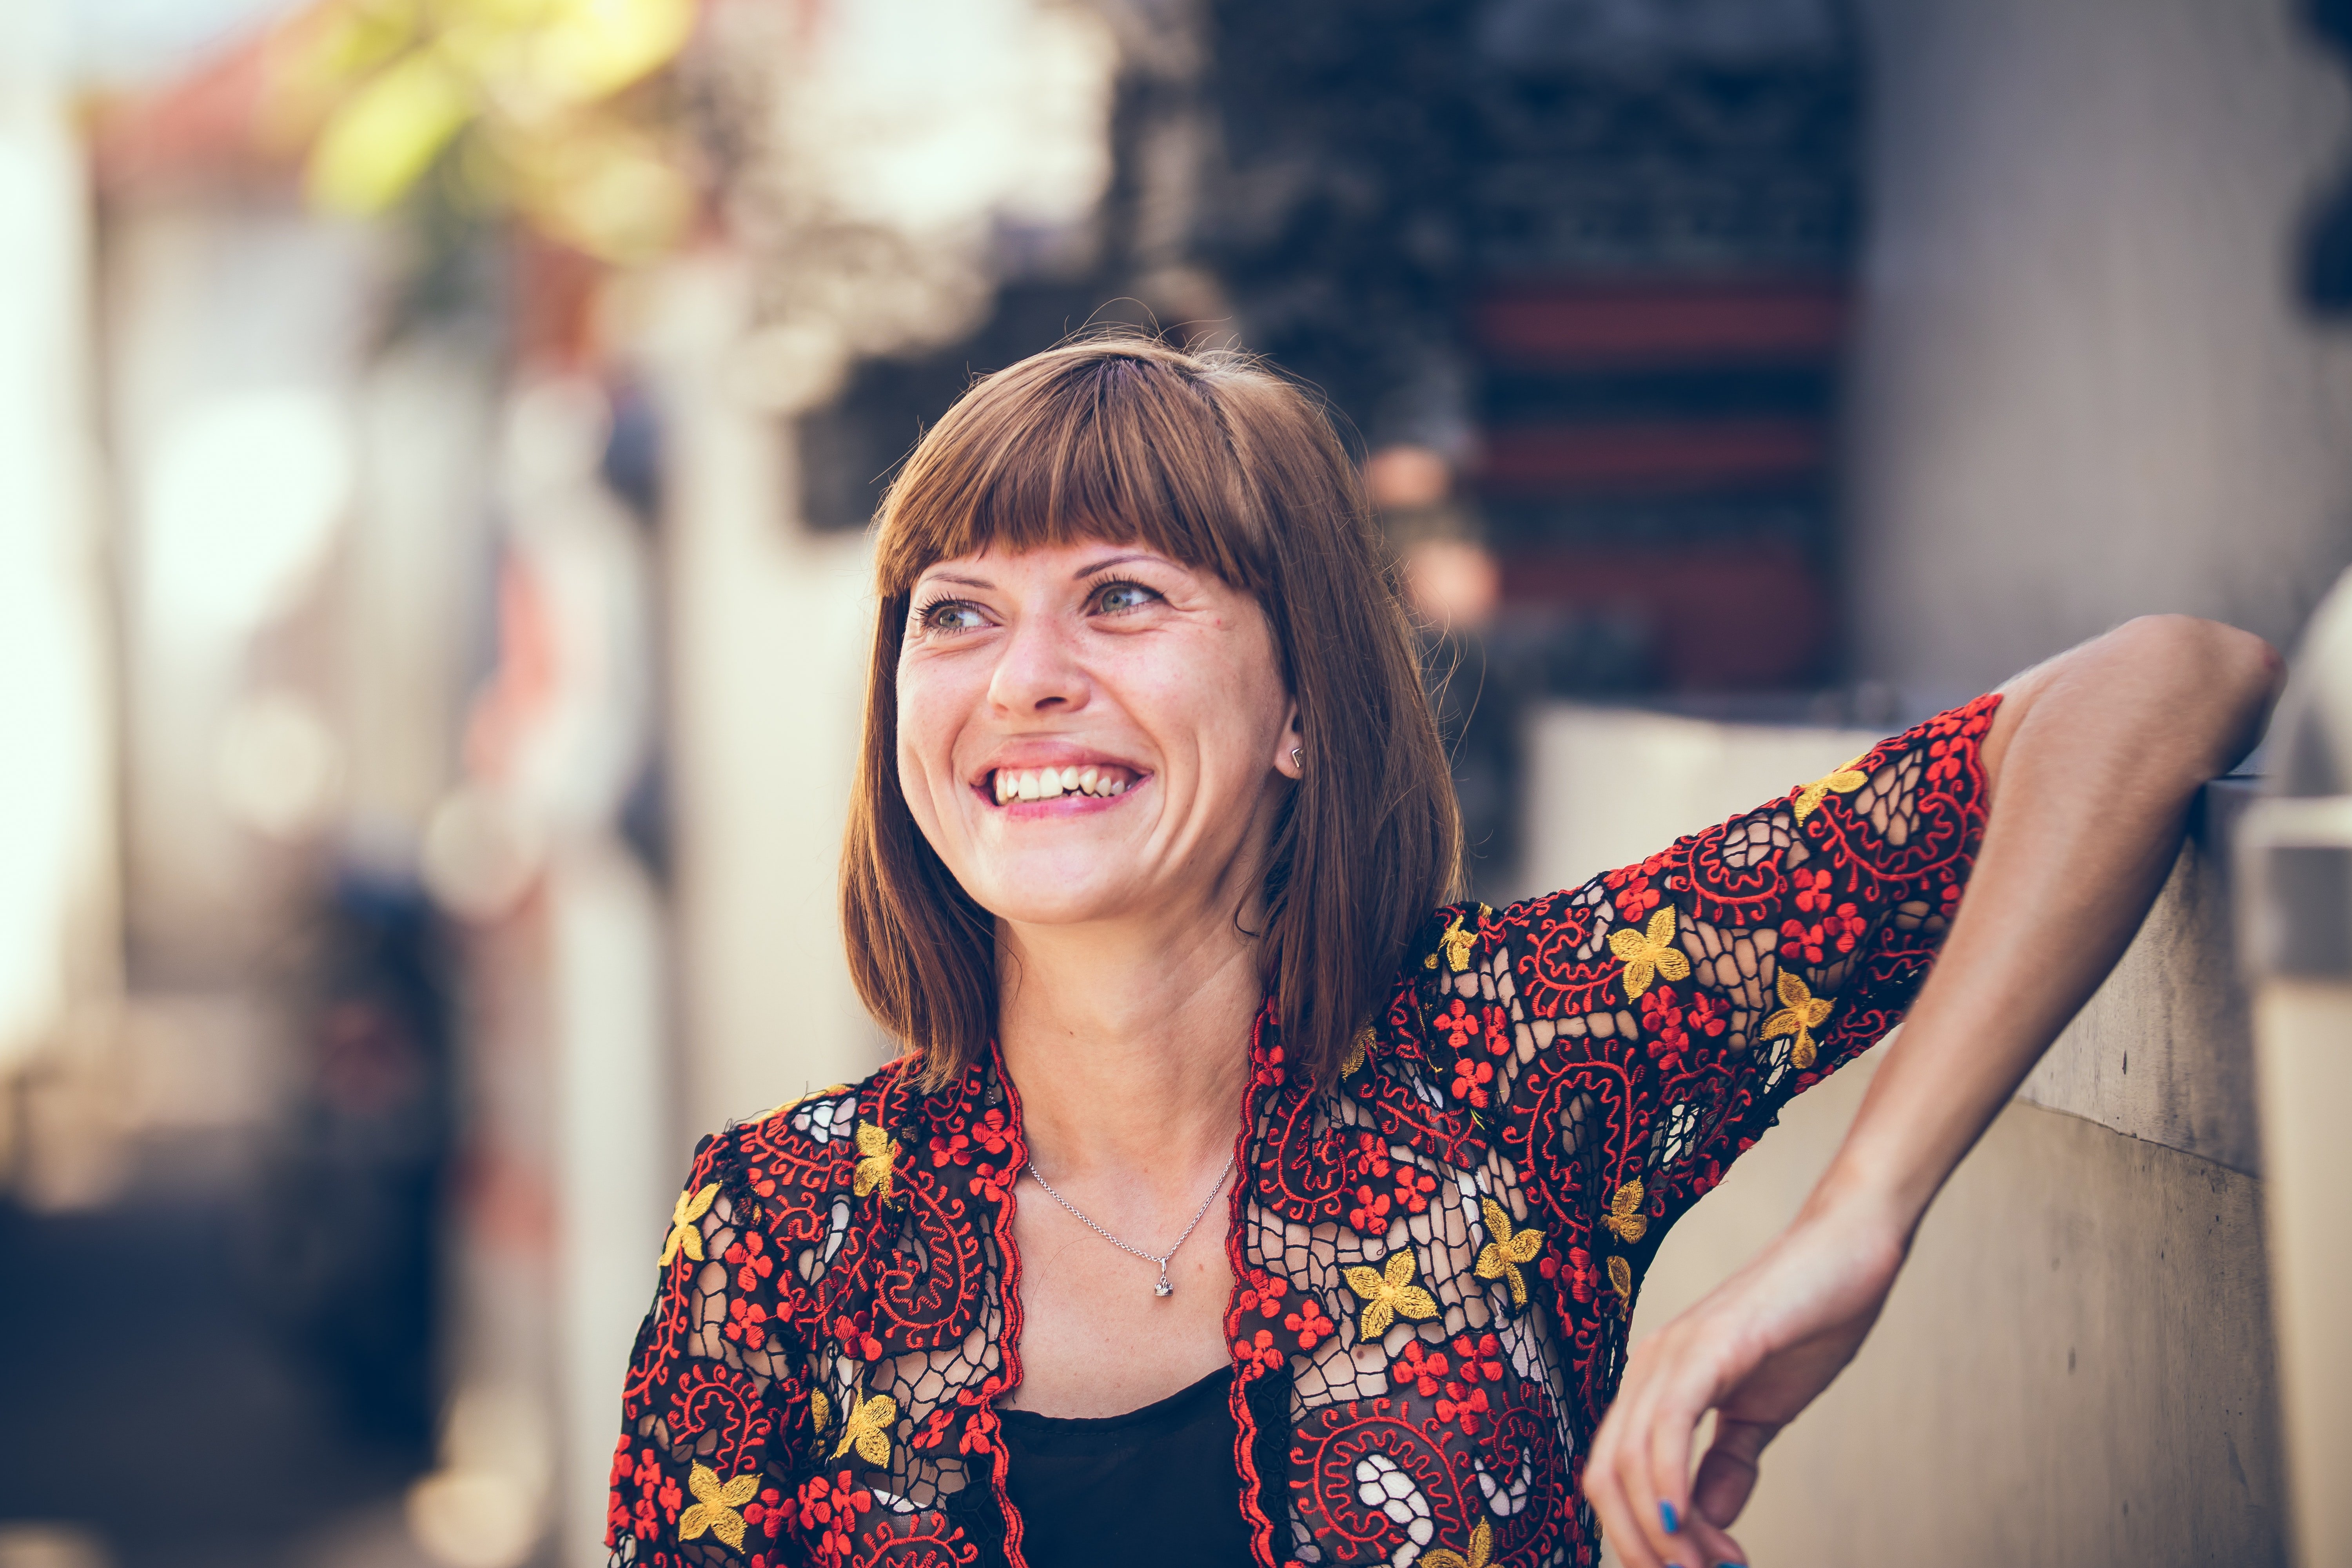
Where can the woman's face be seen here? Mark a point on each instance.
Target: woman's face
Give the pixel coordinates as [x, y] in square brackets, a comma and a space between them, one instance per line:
[1092, 732]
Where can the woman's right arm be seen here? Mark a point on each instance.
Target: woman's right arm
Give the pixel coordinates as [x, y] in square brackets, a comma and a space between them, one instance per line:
[2093, 761]
[714, 1408]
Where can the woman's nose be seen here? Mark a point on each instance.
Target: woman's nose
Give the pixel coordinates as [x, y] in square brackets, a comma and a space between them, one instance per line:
[1038, 670]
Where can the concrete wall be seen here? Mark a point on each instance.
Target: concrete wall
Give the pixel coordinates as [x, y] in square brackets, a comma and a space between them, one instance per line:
[2083, 388]
[2076, 1365]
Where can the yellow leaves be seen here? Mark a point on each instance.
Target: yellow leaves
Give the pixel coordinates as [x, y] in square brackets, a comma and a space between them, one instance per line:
[878, 1154]
[1457, 944]
[717, 1505]
[867, 1429]
[1388, 1294]
[1620, 1280]
[1357, 1049]
[1501, 1256]
[1650, 953]
[1625, 1216]
[1839, 780]
[685, 1231]
[1626, 1221]
[1800, 1013]
[1482, 1551]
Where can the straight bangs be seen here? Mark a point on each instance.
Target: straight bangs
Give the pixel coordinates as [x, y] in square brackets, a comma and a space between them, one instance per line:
[1219, 463]
[1086, 442]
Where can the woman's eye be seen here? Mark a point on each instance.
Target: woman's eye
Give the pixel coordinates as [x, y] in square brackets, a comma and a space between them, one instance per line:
[1113, 597]
[950, 615]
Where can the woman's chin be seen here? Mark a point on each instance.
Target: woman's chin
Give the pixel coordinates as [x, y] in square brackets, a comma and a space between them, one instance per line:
[1048, 900]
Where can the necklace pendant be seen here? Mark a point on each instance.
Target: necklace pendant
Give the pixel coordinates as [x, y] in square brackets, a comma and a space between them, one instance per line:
[1163, 1288]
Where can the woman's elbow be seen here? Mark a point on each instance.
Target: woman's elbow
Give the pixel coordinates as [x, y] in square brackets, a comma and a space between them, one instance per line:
[2222, 680]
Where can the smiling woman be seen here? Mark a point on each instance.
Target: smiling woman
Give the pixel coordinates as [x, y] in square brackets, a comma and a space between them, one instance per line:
[1147, 868]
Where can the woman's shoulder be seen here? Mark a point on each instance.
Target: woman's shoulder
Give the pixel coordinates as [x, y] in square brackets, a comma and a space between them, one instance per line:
[851, 1140]
[806, 1150]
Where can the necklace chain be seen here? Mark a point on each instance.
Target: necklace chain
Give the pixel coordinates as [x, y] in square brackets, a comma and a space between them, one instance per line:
[1163, 1288]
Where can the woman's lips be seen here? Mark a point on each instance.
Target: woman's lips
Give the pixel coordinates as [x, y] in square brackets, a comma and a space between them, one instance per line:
[1012, 786]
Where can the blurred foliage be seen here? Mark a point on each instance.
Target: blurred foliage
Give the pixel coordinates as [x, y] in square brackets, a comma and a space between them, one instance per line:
[546, 109]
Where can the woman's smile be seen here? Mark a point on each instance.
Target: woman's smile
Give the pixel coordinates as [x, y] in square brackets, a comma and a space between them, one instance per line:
[1057, 787]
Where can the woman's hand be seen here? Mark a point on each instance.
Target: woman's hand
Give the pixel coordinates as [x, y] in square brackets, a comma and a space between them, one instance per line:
[1756, 1350]
[2092, 761]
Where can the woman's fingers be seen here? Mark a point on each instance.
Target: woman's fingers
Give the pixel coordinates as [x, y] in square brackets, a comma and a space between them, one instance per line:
[1620, 1513]
[1658, 1451]
[1727, 1473]
[1638, 1475]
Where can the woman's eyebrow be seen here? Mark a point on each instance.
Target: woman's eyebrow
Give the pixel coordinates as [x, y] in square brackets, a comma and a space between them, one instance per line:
[955, 578]
[1108, 562]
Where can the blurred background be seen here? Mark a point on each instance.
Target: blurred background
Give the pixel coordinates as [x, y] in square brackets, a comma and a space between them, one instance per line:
[436, 439]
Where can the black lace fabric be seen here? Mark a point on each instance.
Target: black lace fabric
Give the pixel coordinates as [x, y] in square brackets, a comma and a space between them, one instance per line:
[1437, 1256]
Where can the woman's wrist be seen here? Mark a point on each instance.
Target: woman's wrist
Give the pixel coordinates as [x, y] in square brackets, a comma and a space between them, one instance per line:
[1861, 1198]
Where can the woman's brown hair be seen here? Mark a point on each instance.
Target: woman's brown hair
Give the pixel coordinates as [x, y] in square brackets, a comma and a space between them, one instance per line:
[1214, 460]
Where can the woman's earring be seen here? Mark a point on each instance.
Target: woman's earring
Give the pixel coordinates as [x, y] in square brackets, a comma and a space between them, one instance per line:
[1295, 762]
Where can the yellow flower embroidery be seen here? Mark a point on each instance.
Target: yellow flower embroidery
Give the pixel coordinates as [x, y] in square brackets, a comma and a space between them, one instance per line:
[1389, 1293]
[820, 1411]
[716, 1503]
[1501, 1256]
[1840, 781]
[1625, 1216]
[1457, 944]
[1647, 955]
[1620, 1280]
[1482, 1551]
[1800, 1013]
[867, 1429]
[878, 1154]
[1357, 1048]
[685, 1234]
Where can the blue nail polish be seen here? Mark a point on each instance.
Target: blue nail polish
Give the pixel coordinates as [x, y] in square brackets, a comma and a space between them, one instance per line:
[1667, 1517]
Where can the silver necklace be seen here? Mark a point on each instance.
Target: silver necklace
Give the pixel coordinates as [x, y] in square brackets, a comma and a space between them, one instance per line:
[1163, 1288]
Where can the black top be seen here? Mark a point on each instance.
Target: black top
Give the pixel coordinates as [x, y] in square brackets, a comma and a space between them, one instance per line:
[1155, 1487]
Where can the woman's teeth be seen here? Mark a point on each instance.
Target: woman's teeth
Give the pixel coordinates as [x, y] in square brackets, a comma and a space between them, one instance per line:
[1049, 784]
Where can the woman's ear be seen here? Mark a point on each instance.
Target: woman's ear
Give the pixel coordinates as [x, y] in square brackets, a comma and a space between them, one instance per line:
[1290, 750]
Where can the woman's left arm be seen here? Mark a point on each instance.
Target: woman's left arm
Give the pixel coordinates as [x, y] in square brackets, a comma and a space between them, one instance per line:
[2093, 761]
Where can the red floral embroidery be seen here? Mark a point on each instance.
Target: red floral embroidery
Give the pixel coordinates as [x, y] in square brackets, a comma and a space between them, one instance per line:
[1499, 1038]
[1470, 1080]
[750, 1259]
[1310, 1323]
[830, 1510]
[767, 1511]
[1634, 903]
[993, 1132]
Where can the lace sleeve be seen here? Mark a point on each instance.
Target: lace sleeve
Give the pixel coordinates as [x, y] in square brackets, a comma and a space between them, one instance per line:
[715, 1413]
[1644, 1029]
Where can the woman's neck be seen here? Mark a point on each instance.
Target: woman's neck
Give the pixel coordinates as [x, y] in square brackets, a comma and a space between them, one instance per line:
[1129, 1049]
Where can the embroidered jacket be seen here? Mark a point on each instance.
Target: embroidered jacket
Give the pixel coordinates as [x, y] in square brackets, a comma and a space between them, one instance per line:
[1437, 1257]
